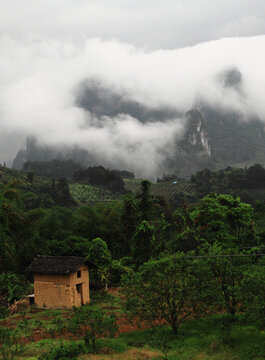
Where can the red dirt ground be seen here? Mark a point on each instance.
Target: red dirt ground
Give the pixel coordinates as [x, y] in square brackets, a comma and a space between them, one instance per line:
[37, 335]
[124, 325]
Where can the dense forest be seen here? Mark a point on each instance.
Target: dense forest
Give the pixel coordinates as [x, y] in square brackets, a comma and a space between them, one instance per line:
[248, 183]
[197, 255]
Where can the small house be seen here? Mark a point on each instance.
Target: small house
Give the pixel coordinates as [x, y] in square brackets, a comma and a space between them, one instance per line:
[60, 281]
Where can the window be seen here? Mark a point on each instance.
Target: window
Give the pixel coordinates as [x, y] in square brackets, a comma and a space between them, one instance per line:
[79, 273]
[78, 288]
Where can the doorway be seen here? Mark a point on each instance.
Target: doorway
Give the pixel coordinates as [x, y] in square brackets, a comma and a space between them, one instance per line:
[79, 289]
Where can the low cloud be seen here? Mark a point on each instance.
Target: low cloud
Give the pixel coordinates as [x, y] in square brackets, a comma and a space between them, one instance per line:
[122, 103]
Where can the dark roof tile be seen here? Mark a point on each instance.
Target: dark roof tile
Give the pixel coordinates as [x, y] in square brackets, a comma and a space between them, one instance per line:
[43, 264]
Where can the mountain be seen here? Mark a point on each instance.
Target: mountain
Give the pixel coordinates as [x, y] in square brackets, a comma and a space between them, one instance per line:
[234, 139]
[190, 155]
[213, 139]
[36, 152]
[194, 151]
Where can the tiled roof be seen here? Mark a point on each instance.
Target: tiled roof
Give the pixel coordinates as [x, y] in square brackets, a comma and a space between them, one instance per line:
[43, 264]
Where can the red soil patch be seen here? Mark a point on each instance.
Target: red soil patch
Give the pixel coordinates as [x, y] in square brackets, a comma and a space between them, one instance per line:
[125, 326]
[114, 291]
[42, 334]
[8, 323]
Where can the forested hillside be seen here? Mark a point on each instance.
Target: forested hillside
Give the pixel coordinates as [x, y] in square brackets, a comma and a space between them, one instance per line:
[197, 250]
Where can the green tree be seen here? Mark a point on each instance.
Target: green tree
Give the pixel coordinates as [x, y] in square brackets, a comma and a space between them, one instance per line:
[142, 242]
[118, 269]
[253, 290]
[71, 246]
[160, 340]
[161, 236]
[145, 204]
[87, 222]
[77, 245]
[30, 176]
[12, 287]
[130, 219]
[7, 251]
[92, 324]
[100, 256]
[186, 237]
[110, 227]
[60, 193]
[167, 290]
[225, 219]
[56, 226]
[225, 268]
[18, 232]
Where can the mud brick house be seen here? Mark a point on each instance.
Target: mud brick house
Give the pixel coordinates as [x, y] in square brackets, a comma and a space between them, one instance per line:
[60, 281]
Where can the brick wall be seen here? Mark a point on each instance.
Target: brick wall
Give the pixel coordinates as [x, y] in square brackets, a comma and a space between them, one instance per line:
[84, 280]
[57, 279]
[58, 291]
[52, 295]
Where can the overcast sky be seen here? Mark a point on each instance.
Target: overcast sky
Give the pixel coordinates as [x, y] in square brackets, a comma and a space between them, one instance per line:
[151, 23]
[147, 50]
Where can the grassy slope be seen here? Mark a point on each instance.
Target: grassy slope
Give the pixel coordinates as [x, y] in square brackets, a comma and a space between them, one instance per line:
[201, 339]
[198, 339]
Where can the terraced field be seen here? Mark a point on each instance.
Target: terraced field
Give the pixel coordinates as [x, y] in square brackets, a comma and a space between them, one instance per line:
[84, 194]
[133, 185]
[88, 194]
[169, 189]
[165, 189]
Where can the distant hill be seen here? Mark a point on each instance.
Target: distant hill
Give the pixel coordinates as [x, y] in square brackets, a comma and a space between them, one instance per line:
[99, 176]
[213, 139]
[247, 183]
[97, 184]
[37, 191]
[54, 168]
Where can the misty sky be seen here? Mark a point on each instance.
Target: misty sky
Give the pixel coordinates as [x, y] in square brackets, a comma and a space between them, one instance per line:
[152, 23]
[146, 51]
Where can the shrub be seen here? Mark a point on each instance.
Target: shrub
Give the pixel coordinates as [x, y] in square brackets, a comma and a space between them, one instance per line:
[65, 350]
[102, 296]
[160, 340]
[92, 324]
[4, 312]
[11, 287]
[9, 344]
